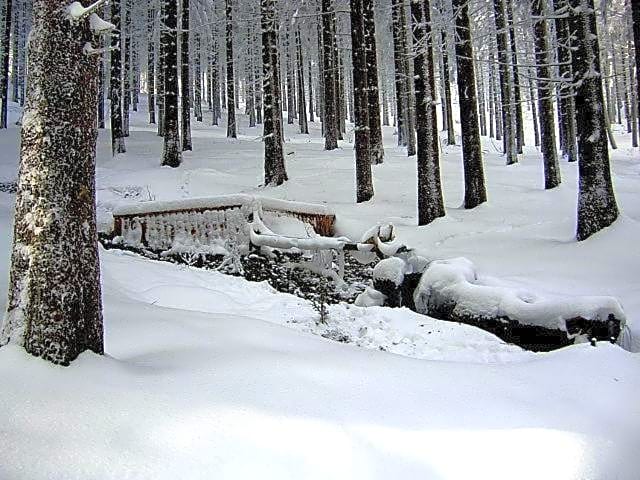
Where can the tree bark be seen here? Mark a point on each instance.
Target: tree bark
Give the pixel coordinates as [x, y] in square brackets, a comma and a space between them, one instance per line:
[172, 153]
[54, 307]
[597, 206]
[474, 187]
[400, 73]
[117, 133]
[545, 96]
[185, 93]
[376, 148]
[330, 117]
[197, 77]
[567, 110]
[4, 80]
[302, 104]
[151, 63]
[362, 127]
[635, 14]
[451, 134]
[231, 92]
[517, 96]
[506, 84]
[430, 201]
[275, 172]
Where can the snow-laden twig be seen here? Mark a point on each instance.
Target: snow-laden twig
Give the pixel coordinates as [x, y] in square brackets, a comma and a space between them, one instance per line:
[99, 26]
[76, 11]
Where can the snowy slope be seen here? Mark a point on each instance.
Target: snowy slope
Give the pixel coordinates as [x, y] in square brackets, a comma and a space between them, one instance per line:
[224, 394]
[523, 237]
[213, 377]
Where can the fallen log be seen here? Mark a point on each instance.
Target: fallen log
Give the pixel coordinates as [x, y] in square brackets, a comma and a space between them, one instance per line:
[449, 290]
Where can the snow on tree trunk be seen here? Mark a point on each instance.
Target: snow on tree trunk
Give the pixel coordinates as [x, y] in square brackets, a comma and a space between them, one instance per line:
[117, 133]
[545, 96]
[125, 46]
[4, 64]
[160, 72]
[451, 134]
[376, 149]
[517, 96]
[302, 104]
[329, 70]
[506, 84]
[151, 73]
[474, 188]
[172, 153]
[274, 168]
[430, 201]
[197, 78]
[410, 94]
[54, 307]
[399, 53]
[597, 206]
[185, 78]
[364, 182]
[310, 82]
[231, 92]
[635, 13]
[567, 110]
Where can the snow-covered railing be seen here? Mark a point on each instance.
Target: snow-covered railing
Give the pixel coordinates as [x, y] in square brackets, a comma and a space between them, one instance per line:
[159, 224]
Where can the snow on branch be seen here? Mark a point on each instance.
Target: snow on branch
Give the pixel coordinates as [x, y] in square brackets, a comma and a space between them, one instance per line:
[99, 26]
[77, 12]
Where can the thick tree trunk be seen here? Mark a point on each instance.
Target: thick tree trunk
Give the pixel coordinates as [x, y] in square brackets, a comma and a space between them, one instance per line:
[185, 93]
[117, 133]
[545, 95]
[597, 206]
[474, 188]
[330, 117]
[430, 201]
[376, 149]
[275, 172]
[231, 89]
[54, 307]
[4, 64]
[172, 153]
[364, 182]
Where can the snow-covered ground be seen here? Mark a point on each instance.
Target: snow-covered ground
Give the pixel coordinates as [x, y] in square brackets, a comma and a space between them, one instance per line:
[209, 376]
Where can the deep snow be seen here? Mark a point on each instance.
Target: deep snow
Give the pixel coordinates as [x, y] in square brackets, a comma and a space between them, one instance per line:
[209, 376]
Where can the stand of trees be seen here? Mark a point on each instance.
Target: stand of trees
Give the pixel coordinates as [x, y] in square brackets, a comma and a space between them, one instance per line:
[352, 65]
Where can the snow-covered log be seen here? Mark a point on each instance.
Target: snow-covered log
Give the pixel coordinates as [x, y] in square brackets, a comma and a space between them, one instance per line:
[450, 290]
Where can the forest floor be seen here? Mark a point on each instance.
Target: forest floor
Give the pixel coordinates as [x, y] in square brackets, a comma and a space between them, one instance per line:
[211, 376]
